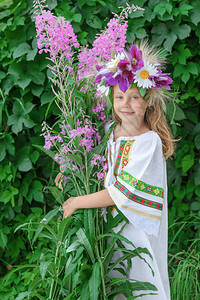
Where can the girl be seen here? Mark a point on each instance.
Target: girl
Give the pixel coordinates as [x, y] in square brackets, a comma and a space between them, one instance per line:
[137, 150]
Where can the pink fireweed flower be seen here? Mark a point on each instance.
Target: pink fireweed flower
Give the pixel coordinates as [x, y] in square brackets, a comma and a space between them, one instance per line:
[74, 168]
[55, 35]
[99, 111]
[113, 39]
[62, 131]
[56, 157]
[100, 175]
[87, 134]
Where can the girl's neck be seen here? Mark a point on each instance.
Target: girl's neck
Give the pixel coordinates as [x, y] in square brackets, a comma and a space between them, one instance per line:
[130, 130]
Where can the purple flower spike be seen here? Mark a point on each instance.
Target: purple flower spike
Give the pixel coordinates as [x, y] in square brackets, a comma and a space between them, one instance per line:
[136, 58]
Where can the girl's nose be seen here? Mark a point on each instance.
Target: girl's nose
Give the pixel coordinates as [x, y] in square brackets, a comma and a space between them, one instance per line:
[126, 101]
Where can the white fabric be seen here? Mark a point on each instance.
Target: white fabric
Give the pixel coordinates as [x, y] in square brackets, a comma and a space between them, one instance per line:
[148, 226]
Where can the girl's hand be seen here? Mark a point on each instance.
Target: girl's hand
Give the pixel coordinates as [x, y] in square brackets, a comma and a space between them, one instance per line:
[59, 179]
[69, 207]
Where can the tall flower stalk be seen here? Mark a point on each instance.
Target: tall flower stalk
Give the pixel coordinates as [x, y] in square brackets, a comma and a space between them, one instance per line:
[81, 261]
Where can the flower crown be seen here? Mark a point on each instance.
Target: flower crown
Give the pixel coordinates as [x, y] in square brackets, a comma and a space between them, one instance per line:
[129, 68]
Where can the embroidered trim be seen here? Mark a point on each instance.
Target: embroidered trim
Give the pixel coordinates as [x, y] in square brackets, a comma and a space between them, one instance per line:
[121, 148]
[140, 185]
[126, 153]
[132, 209]
[137, 199]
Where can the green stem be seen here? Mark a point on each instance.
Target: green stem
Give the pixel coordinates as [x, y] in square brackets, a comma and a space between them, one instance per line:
[99, 254]
[53, 280]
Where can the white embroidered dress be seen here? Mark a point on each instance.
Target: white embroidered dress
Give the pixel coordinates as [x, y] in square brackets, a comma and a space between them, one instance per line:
[136, 181]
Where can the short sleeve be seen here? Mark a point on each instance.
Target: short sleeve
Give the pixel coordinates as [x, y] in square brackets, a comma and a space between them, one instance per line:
[140, 187]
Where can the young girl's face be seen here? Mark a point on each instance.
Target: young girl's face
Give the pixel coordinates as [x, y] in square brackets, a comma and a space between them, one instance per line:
[129, 105]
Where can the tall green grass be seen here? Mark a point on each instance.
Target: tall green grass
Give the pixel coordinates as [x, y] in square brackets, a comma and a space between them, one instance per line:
[184, 259]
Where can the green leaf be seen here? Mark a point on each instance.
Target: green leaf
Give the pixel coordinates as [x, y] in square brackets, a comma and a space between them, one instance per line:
[23, 295]
[6, 144]
[142, 91]
[21, 50]
[59, 197]
[24, 164]
[94, 22]
[84, 241]
[161, 8]
[89, 224]
[197, 141]
[77, 18]
[195, 16]
[3, 239]
[43, 268]
[187, 162]
[94, 281]
[184, 8]
[195, 205]
[62, 228]
[31, 54]
[45, 220]
[34, 156]
[46, 97]
[6, 196]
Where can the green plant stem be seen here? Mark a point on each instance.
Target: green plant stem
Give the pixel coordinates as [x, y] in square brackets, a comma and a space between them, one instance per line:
[98, 252]
[53, 280]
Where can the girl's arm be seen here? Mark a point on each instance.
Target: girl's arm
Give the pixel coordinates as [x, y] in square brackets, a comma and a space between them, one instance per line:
[99, 199]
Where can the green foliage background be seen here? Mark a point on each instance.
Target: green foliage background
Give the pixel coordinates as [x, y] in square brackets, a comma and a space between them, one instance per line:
[26, 100]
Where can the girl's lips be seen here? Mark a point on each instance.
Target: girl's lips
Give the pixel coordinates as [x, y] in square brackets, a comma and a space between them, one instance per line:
[127, 113]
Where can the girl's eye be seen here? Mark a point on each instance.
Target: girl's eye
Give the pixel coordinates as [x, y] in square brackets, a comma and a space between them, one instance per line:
[118, 97]
[134, 98]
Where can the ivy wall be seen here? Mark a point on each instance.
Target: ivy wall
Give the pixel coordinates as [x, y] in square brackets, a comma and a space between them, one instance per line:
[26, 100]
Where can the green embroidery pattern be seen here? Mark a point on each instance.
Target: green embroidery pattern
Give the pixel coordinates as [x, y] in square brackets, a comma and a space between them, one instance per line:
[137, 199]
[140, 185]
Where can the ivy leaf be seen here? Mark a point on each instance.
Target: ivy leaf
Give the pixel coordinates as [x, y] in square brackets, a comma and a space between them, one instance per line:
[195, 15]
[184, 8]
[6, 144]
[134, 26]
[35, 192]
[21, 50]
[181, 55]
[36, 76]
[161, 33]
[24, 164]
[94, 22]
[197, 141]
[77, 18]
[168, 33]
[149, 14]
[20, 116]
[31, 54]
[162, 8]
[187, 162]
[184, 72]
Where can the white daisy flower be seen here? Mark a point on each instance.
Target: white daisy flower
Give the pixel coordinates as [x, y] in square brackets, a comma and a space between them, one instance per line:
[113, 63]
[103, 89]
[142, 75]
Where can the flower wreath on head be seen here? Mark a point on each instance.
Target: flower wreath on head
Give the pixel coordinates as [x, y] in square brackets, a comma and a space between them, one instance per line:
[130, 68]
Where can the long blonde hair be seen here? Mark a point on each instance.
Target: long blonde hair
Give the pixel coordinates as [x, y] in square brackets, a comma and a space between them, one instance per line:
[155, 120]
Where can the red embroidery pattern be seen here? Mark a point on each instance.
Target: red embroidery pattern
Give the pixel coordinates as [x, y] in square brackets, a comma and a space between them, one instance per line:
[121, 148]
[137, 199]
[126, 153]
